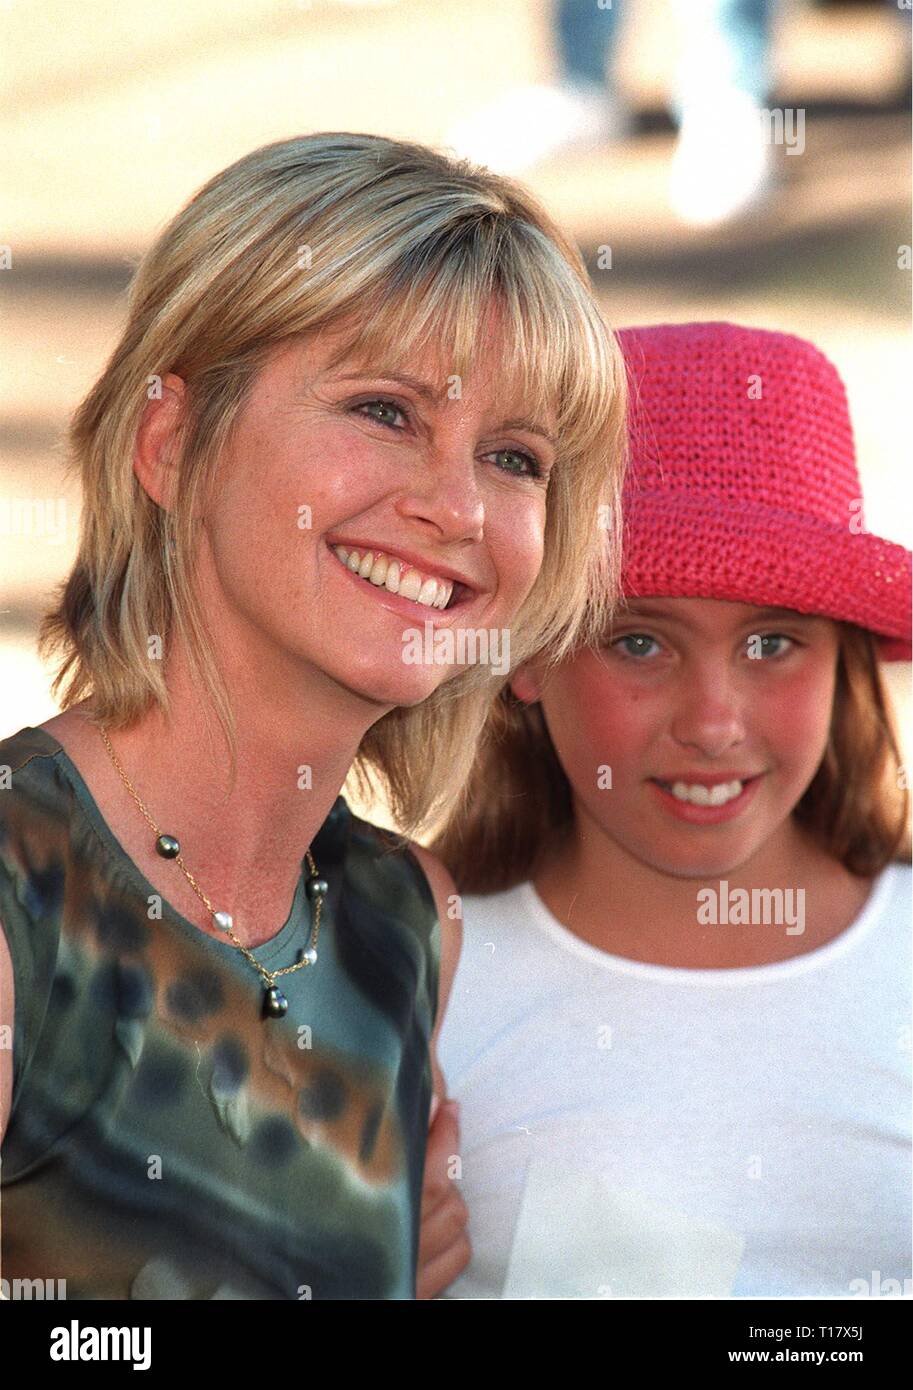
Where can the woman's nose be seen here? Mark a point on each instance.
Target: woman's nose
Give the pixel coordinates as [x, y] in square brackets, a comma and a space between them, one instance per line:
[445, 493]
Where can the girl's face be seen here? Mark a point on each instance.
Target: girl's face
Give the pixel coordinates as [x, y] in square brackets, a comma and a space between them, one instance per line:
[689, 695]
[448, 486]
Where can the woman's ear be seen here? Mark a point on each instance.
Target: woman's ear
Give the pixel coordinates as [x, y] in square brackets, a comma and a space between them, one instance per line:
[525, 683]
[155, 436]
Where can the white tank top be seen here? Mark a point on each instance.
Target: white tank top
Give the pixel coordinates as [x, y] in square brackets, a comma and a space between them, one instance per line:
[643, 1131]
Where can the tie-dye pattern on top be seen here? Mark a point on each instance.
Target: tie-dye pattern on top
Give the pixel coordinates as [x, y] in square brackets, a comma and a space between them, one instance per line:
[166, 1141]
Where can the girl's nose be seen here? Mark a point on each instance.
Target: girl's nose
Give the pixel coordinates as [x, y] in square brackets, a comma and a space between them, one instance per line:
[708, 717]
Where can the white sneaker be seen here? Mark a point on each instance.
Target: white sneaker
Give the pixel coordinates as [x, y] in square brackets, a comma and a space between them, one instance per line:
[722, 163]
[528, 124]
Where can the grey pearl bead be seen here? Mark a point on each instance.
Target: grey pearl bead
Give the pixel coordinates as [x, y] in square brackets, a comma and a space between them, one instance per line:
[275, 1003]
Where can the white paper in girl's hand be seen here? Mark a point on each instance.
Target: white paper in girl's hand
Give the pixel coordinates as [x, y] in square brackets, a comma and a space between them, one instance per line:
[579, 1236]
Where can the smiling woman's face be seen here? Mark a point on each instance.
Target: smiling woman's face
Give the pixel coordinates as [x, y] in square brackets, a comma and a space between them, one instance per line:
[453, 489]
[704, 694]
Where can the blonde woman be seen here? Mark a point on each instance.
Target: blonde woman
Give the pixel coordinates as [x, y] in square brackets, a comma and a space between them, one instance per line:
[363, 392]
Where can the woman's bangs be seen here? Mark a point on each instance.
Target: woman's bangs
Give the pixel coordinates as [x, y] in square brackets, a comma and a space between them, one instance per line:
[451, 312]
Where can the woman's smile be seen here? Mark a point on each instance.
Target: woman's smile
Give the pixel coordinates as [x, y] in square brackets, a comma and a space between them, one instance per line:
[403, 588]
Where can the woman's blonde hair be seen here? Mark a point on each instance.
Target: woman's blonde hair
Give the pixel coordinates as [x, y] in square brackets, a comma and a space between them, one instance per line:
[407, 246]
[517, 810]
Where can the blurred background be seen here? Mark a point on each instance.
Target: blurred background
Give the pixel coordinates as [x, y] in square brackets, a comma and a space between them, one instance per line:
[737, 159]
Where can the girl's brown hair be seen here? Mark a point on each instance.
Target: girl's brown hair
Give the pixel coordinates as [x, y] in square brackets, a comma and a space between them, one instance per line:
[400, 245]
[516, 811]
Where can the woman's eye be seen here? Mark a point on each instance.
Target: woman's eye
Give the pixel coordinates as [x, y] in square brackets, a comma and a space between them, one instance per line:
[531, 466]
[389, 406]
[528, 466]
[639, 643]
[757, 651]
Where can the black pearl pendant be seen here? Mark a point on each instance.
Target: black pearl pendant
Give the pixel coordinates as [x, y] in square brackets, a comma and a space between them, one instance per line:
[316, 887]
[275, 1003]
[167, 846]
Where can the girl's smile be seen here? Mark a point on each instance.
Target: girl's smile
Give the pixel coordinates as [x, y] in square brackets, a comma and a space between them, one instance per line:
[709, 801]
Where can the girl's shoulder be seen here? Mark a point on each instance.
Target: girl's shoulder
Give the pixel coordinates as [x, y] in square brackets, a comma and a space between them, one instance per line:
[883, 915]
[895, 884]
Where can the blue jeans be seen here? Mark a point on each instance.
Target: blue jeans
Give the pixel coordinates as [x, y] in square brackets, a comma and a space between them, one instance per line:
[586, 32]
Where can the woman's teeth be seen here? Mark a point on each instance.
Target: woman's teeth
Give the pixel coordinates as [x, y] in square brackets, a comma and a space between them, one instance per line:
[397, 578]
[705, 796]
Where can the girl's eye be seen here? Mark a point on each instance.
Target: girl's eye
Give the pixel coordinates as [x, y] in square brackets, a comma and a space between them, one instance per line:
[533, 469]
[639, 643]
[766, 650]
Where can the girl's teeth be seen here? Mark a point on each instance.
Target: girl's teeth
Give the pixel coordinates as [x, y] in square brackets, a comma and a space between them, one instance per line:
[706, 796]
[380, 570]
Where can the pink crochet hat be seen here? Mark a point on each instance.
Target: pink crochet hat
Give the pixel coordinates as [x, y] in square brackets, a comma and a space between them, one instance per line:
[743, 485]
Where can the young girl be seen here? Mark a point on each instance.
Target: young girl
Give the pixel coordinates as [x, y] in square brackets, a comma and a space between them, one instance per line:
[679, 1032]
[351, 369]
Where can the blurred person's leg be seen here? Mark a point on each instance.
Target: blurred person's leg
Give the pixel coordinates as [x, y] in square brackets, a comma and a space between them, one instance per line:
[575, 112]
[585, 31]
[904, 12]
[722, 162]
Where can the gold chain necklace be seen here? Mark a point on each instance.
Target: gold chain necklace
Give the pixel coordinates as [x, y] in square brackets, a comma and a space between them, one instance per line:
[275, 1003]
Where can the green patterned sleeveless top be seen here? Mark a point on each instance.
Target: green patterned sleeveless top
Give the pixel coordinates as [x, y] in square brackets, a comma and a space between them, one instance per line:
[165, 1140]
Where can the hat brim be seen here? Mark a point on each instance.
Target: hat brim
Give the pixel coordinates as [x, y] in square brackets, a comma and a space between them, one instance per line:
[676, 545]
